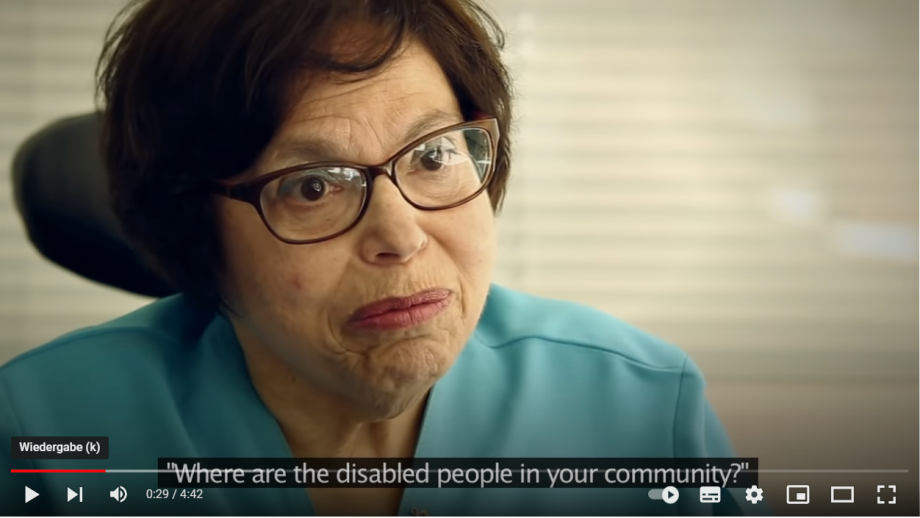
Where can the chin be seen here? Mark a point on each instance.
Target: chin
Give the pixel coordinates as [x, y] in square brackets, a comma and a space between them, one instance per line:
[404, 375]
[418, 373]
[381, 404]
[386, 409]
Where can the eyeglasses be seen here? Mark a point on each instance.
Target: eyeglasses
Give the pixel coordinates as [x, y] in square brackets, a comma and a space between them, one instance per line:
[316, 202]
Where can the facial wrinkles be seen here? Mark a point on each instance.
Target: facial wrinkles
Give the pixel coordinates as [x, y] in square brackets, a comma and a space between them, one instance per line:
[365, 137]
[305, 295]
[392, 280]
[347, 259]
[362, 135]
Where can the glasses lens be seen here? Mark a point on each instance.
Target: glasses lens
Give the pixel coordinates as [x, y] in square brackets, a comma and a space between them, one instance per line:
[446, 169]
[313, 203]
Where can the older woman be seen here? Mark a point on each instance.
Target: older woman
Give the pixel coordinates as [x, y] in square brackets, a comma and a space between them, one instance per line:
[319, 179]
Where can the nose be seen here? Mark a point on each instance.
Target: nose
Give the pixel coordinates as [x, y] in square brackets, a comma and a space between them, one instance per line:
[390, 231]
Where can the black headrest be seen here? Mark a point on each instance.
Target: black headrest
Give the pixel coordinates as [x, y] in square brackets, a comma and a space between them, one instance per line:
[61, 191]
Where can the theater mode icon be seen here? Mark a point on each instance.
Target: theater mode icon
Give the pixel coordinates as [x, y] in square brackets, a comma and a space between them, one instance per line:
[843, 494]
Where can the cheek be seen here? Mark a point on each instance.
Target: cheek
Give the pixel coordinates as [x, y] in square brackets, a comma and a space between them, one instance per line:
[292, 282]
[468, 238]
[237, 230]
[306, 277]
[263, 272]
[471, 240]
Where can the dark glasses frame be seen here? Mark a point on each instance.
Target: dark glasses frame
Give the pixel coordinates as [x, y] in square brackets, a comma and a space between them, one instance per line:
[251, 191]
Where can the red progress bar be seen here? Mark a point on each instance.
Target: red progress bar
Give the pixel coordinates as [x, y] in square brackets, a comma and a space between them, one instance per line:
[57, 471]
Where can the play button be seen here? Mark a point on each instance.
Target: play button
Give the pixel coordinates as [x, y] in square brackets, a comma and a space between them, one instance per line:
[669, 494]
[30, 494]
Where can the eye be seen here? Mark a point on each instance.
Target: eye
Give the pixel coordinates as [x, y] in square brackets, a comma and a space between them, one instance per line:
[436, 154]
[313, 188]
[310, 187]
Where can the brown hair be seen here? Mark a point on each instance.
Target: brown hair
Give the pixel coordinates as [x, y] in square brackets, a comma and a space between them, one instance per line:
[194, 91]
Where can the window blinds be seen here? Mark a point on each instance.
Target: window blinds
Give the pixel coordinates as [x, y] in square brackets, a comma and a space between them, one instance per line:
[48, 50]
[739, 178]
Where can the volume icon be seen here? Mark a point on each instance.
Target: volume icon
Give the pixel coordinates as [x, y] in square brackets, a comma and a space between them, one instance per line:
[119, 493]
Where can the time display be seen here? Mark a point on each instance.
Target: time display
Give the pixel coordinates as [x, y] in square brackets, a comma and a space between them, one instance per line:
[158, 494]
[171, 494]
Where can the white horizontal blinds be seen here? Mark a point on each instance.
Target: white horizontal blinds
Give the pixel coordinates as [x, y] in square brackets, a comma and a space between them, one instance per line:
[733, 176]
[14, 62]
[48, 50]
[737, 177]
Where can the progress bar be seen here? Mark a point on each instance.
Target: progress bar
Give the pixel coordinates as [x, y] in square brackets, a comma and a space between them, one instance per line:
[58, 471]
[826, 471]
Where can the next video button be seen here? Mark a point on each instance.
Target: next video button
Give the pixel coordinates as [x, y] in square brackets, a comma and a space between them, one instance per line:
[59, 447]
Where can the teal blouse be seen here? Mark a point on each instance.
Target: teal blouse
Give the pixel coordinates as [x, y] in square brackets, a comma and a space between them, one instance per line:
[538, 378]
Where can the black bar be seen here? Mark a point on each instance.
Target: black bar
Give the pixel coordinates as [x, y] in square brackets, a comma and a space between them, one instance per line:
[457, 472]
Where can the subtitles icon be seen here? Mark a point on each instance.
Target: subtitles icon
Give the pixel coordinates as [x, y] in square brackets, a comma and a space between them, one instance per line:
[798, 494]
[710, 494]
[119, 494]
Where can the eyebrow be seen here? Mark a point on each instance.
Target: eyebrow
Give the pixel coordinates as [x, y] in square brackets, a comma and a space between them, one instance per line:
[319, 150]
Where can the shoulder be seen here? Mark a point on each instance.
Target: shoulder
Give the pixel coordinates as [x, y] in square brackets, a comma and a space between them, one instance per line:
[134, 358]
[156, 330]
[515, 319]
[592, 384]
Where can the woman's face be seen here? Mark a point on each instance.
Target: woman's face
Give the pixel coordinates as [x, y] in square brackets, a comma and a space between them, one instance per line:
[298, 305]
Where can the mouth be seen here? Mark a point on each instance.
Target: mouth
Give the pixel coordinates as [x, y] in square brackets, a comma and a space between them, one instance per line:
[401, 312]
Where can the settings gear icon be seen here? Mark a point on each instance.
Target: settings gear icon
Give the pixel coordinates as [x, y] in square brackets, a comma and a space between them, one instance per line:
[754, 494]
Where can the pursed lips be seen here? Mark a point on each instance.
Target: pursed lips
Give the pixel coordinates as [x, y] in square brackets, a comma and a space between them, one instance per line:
[401, 312]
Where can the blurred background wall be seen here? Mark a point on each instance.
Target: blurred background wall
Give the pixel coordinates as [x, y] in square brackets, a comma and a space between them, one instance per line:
[739, 178]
